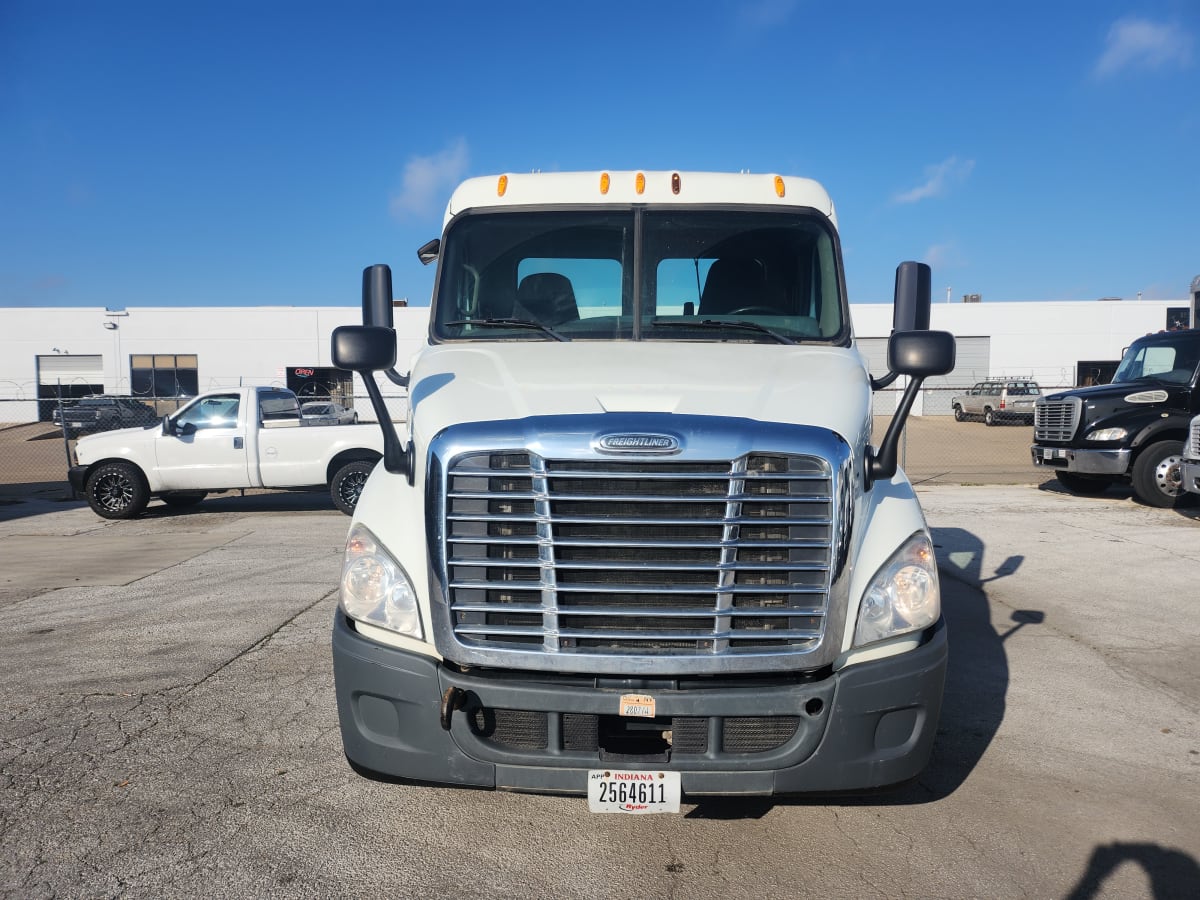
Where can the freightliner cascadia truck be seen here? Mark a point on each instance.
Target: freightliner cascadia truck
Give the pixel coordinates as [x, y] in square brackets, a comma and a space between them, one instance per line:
[634, 540]
[1131, 431]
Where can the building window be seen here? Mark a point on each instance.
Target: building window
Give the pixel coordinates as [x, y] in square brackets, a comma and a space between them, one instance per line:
[164, 375]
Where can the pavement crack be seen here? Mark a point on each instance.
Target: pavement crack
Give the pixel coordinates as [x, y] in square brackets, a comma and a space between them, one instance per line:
[260, 643]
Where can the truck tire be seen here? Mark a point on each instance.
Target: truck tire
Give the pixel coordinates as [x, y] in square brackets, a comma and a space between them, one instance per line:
[989, 417]
[181, 499]
[1083, 484]
[117, 490]
[1158, 476]
[959, 415]
[347, 484]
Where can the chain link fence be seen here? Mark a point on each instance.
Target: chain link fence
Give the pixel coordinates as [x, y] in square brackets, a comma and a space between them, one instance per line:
[35, 448]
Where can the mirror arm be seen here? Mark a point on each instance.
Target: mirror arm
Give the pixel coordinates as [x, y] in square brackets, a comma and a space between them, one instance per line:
[884, 461]
[878, 384]
[395, 455]
[396, 378]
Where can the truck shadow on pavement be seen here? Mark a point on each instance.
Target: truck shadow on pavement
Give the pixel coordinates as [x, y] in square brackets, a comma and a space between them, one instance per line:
[976, 687]
[1124, 493]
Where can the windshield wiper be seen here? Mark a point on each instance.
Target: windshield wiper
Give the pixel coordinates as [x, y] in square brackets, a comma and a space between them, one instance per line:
[725, 323]
[511, 323]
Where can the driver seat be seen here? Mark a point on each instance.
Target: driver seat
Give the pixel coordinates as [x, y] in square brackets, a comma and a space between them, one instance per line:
[733, 284]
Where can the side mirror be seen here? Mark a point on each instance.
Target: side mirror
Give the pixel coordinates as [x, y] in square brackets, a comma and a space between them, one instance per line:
[377, 296]
[186, 430]
[920, 354]
[911, 302]
[917, 354]
[363, 348]
[428, 253]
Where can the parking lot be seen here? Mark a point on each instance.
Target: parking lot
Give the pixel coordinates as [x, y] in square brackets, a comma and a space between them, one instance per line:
[168, 724]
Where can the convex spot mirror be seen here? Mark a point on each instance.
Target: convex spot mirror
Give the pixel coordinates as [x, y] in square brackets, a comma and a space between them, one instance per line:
[363, 348]
[920, 354]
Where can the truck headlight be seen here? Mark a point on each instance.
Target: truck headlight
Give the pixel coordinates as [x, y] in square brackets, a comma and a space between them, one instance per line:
[375, 589]
[903, 596]
[1107, 434]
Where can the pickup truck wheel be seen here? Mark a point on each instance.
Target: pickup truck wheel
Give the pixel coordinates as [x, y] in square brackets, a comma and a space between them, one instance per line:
[117, 490]
[182, 498]
[1158, 475]
[959, 415]
[989, 417]
[1083, 484]
[347, 483]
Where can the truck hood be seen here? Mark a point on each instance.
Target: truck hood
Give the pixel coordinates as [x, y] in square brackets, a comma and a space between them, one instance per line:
[821, 386]
[1098, 392]
[118, 442]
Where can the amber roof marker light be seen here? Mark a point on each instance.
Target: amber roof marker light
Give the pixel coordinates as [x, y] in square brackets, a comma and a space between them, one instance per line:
[639, 183]
[501, 185]
[780, 188]
[605, 182]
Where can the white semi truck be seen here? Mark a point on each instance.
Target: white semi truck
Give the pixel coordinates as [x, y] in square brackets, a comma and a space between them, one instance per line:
[635, 541]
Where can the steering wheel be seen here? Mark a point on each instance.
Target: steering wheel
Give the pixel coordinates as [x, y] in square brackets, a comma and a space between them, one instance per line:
[753, 311]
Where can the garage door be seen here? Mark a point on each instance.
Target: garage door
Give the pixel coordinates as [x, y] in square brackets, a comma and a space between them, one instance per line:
[972, 363]
[65, 369]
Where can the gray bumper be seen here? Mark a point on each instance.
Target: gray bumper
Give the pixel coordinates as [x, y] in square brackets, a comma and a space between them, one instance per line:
[1086, 462]
[866, 726]
[1190, 470]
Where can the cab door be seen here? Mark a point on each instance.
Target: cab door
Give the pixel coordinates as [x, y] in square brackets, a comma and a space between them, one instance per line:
[205, 446]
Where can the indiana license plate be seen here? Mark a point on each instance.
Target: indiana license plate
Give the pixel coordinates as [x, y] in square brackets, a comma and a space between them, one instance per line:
[617, 791]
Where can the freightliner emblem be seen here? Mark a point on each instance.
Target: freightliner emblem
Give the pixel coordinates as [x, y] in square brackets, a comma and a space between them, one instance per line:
[639, 443]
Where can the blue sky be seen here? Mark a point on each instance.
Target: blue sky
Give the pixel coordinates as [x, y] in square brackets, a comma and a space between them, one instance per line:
[262, 153]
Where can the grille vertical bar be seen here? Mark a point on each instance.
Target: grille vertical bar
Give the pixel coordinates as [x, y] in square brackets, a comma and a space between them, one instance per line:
[1056, 420]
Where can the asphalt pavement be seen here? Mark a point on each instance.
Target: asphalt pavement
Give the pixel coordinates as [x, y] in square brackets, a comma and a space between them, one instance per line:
[168, 728]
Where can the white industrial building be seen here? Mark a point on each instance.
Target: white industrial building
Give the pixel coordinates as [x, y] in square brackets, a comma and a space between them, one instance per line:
[166, 352]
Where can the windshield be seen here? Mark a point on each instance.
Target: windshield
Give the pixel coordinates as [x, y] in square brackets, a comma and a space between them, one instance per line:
[641, 274]
[1171, 360]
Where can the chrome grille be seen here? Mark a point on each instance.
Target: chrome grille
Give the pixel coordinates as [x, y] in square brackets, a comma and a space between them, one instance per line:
[639, 558]
[1192, 449]
[1056, 420]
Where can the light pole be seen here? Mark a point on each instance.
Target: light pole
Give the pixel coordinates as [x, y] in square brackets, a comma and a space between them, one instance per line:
[114, 326]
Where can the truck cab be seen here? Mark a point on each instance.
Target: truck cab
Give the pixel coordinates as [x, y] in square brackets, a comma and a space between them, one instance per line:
[1131, 430]
[635, 523]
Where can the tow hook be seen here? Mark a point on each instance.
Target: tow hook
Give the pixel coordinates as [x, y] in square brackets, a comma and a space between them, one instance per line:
[451, 700]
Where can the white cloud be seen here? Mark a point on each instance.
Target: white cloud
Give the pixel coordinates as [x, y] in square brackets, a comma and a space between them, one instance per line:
[764, 14]
[938, 179]
[428, 179]
[1142, 44]
[944, 256]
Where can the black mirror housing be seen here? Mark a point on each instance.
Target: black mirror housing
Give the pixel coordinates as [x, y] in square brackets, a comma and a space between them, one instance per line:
[920, 354]
[910, 310]
[363, 348]
[428, 252]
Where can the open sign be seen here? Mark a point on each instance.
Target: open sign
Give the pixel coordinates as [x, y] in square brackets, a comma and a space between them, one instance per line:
[303, 373]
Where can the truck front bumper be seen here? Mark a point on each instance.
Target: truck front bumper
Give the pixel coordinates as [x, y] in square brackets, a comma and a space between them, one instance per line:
[1190, 470]
[866, 726]
[1085, 462]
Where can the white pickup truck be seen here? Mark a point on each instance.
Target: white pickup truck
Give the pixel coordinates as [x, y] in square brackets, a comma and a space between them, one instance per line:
[247, 437]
